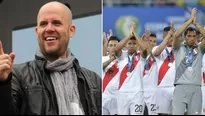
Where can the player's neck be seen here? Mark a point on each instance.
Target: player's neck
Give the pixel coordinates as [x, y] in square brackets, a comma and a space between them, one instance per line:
[131, 53]
[190, 46]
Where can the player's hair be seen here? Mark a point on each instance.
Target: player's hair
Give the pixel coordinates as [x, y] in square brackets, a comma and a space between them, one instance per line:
[153, 35]
[132, 38]
[166, 29]
[197, 32]
[113, 38]
[189, 29]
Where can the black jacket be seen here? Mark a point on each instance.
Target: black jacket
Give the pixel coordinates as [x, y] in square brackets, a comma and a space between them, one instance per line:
[29, 90]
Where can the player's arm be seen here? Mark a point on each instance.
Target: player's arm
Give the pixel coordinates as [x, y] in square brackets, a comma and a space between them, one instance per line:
[201, 30]
[163, 44]
[146, 39]
[106, 63]
[105, 43]
[139, 41]
[177, 34]
[118, 48]
[149, 49]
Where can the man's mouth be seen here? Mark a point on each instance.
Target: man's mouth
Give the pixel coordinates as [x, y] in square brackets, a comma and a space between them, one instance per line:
[50, 38]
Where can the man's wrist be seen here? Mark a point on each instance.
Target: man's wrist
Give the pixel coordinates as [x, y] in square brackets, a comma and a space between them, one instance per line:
[2, 82]
[130, 35]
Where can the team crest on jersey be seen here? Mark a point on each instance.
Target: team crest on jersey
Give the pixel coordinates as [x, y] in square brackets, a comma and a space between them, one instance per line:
[195, 51]
[136, 58]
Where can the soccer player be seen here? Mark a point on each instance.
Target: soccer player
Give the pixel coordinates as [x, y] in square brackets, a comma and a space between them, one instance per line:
[166, 71]
[110, 77]
[187, 93]
[130, 98]
[150, 75]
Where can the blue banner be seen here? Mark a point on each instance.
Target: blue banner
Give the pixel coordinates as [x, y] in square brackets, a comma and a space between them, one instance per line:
[154, 18]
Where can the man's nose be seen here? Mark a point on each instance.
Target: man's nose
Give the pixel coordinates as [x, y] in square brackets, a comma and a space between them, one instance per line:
[132, 45]
[49, 28]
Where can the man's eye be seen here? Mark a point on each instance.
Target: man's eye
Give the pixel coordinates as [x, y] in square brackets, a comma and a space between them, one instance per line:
[43, 23]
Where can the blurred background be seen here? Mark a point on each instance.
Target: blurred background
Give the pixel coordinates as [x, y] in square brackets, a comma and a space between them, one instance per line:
[149, 14]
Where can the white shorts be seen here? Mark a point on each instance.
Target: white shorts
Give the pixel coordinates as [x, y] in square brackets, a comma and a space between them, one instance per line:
[109, 105]
[164, 97]
[150, 101]
[130, 103]
[203, 99]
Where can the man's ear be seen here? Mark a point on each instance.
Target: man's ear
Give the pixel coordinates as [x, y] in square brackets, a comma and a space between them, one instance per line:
[72, 30]
[36, 29]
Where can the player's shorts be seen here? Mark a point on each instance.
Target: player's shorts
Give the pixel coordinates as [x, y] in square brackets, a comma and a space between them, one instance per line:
[130, 103]
[187, 96]
[150, 101]
[109, 105]
[164, 97]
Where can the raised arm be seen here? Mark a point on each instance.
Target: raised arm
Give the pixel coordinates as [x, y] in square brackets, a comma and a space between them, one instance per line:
[176, 39]
[163, 44]
[186, 24]
[6, 99]
[177, 34]
[147, 43]
[106, 63]
[201, 30]
[118, 48]
[145, 38]
[105, 43]
[139, 41]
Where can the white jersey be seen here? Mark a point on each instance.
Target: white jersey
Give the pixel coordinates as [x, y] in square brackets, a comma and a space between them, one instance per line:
[166, 74]
[133, 82]
[112, 85]
[150, 74]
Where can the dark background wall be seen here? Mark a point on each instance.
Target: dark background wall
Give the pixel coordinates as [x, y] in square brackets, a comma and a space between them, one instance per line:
[15, 14]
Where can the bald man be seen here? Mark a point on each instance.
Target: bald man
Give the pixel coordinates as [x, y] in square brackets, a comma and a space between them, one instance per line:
[53, 83]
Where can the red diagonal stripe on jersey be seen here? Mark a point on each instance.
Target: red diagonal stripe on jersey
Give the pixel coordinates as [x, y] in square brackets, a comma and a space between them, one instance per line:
[110, 74]
[204, 76]
[164, 68]
[151, 61]
[123, 74]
